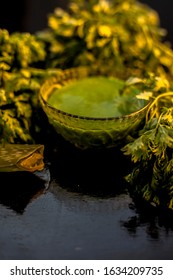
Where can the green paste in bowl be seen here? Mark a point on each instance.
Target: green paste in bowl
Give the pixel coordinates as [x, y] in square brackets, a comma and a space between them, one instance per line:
[95, 97]
[92, 111]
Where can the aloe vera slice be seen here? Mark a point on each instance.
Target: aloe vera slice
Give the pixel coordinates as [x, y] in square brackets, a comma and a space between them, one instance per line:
[21, 157]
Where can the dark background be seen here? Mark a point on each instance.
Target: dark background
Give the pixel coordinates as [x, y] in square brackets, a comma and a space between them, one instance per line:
[31, 15]
[27, 15]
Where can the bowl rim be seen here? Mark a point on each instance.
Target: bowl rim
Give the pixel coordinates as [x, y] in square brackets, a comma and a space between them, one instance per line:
[53, 83]
[94, 118]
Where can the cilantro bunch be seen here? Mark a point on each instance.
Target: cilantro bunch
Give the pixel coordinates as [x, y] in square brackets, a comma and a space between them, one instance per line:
[22, 58]
[120, 37]
[151, 151]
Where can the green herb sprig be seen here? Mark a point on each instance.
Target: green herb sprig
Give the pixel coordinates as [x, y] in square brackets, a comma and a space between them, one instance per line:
[152, 150]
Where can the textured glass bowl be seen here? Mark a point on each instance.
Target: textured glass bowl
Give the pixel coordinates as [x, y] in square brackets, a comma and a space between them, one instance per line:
[82, 131]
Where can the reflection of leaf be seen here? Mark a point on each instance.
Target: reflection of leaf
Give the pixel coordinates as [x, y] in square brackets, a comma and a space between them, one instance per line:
[148, 217]
[18, 190]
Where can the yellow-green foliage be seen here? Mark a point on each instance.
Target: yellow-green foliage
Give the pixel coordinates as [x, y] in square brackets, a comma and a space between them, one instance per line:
[20, 80]
[121, 36]
[19, 50]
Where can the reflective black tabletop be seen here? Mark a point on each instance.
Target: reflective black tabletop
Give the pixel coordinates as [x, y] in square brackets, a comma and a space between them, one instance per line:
[79, 207]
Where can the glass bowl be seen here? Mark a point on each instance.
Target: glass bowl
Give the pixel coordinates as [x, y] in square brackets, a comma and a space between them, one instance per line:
[87, 131]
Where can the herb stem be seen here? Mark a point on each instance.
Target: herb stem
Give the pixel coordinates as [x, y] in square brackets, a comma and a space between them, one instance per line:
[170, 93]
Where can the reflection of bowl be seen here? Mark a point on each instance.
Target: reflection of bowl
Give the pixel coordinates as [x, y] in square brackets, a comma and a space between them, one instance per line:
[89, 131]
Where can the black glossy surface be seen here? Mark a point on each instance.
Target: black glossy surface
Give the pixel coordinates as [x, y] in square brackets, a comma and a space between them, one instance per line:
[86, 213]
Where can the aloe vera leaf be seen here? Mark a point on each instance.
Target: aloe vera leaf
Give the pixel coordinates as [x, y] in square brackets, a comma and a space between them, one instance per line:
[21, 157]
